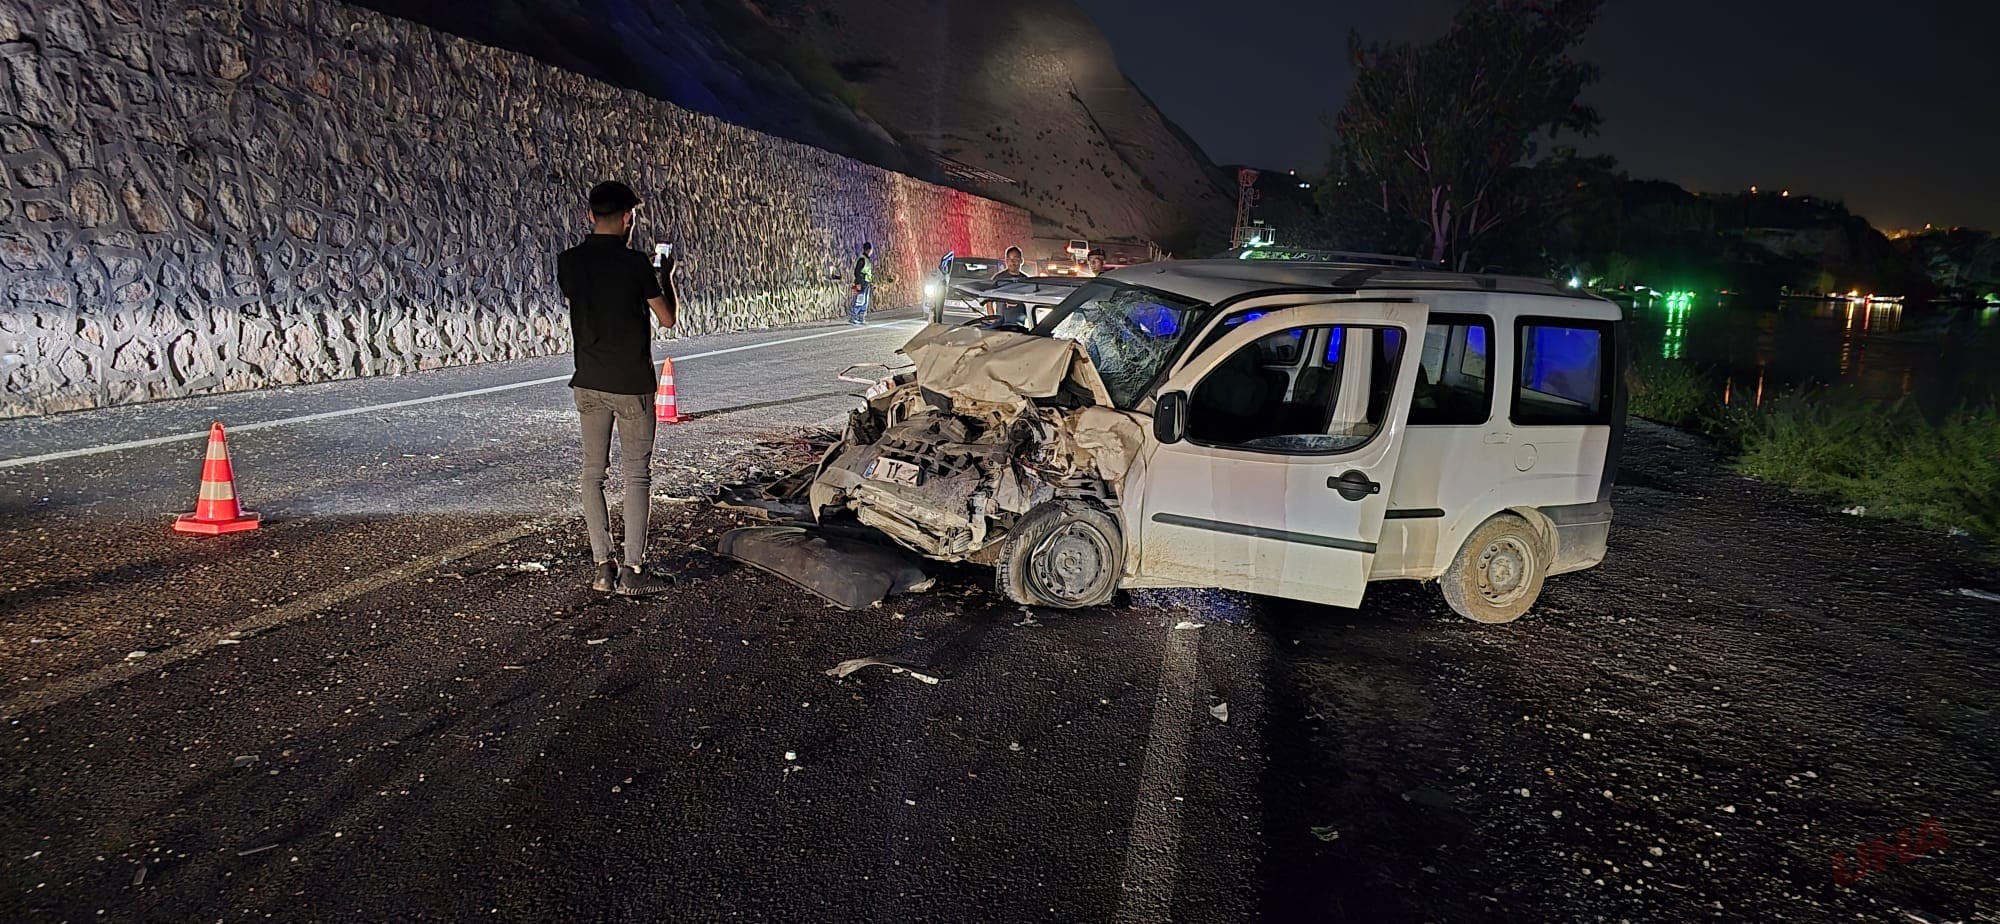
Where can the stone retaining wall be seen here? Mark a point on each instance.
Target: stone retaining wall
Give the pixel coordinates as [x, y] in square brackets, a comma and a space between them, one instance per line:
[208, 195]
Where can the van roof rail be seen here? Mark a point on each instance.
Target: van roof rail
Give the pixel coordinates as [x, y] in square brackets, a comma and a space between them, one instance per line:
[1307, 255]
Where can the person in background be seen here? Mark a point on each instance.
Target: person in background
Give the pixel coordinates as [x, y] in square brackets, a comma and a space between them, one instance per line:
[1010, 271]
[864, 284]
[1095, 265]
[610, 288]
[1010, 266]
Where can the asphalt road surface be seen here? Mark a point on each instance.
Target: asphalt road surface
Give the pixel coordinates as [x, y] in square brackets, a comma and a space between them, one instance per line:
[400, 701]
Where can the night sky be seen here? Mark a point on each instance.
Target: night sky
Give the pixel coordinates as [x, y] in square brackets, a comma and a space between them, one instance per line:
[1891, 105]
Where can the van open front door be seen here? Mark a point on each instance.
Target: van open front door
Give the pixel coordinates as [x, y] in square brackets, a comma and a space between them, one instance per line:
[1273, 450]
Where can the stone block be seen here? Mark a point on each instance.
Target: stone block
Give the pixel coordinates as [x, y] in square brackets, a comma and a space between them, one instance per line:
[62, 27]
[145, 207]
[90, 204]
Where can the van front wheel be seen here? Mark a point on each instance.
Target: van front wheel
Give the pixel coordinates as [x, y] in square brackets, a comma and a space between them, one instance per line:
[1498, 572]
[1065, 554]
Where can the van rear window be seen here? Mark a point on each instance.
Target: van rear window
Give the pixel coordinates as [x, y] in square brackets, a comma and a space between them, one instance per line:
[1563, 373]
[1452, 384]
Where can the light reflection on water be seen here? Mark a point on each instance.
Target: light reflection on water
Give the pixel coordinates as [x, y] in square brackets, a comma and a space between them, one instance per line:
[1937, 356]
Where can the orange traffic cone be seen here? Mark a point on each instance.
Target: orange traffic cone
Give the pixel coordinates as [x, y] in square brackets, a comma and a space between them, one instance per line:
[217, 511]
[666, 406]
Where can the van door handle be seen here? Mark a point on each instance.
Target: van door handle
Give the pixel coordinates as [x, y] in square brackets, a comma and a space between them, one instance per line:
[1354, 485]
[1497, 437]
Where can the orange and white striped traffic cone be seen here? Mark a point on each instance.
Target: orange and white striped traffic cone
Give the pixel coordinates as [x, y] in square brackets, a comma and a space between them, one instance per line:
[667, 406]
[217, 511]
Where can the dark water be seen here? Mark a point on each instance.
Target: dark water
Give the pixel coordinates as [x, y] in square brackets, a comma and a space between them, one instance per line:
[1938, 357]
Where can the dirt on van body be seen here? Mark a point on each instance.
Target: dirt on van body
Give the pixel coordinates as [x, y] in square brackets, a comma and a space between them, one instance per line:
[1751, 686]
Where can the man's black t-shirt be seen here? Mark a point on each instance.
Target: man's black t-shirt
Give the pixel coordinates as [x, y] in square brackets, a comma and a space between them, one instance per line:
[608, 285]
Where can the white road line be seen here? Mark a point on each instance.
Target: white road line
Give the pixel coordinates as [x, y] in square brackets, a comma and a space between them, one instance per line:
[1152, 853]
[412, 402]
[71, 687]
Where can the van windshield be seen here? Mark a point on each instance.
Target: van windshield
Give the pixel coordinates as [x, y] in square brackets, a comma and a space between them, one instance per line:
[1130, 333]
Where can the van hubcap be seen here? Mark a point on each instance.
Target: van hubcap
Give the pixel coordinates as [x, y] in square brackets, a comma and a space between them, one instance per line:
[1504, 569]
[1069, 564]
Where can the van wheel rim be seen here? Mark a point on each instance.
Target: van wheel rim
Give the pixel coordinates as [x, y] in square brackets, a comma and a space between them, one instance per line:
[1505, 570]
[1069, 563]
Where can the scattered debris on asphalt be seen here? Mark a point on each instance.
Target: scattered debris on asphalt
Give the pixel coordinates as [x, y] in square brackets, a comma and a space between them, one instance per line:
[134, 656]
[243, 760]
[850, 666]
[1986, 595]
[1187, 624]
[530, 567]
[1220, 711]
[139, 878]
[1856, 511]
[1326, 833]
[254, 850]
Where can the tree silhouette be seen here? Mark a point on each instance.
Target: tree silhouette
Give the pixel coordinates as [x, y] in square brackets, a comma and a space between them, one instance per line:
[1432, 137]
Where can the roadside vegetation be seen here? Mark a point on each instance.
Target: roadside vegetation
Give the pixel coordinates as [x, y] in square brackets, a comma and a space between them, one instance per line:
[1667, 391]
[1878, 459]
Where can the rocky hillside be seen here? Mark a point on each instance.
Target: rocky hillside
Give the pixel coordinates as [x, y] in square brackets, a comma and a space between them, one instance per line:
[1020, 101]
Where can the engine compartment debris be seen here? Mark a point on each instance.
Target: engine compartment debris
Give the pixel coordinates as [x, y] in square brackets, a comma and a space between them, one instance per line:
[990, 425]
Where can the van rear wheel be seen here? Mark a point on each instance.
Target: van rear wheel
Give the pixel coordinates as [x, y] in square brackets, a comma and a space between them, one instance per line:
[1066, 554]
[1498, 572]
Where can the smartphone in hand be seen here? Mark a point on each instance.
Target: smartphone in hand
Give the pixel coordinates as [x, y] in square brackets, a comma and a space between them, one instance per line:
[662, 252]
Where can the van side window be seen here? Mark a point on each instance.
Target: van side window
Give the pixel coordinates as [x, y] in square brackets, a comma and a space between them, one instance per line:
[1453, 386]
[1327, 399]
[1563, 373]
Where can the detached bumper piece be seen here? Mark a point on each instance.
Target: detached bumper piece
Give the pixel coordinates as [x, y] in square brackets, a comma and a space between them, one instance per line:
[848, 573]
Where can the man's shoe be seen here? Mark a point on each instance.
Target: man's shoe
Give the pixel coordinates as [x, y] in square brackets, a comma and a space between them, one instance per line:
[635, 582]
[606, 580]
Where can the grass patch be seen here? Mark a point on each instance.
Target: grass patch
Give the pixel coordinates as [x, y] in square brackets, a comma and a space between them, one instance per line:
[1884, 457]
[1668, 391]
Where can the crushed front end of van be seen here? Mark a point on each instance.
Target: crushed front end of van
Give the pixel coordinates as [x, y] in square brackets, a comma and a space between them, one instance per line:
[993, 431]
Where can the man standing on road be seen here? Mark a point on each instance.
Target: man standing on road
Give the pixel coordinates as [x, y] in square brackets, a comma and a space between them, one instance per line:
[1010, 271]
[1095, 266]
[610, 286]
[864, 285]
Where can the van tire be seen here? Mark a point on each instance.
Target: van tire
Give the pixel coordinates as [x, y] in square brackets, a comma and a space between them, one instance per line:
[1498, 572]
[1064, 554]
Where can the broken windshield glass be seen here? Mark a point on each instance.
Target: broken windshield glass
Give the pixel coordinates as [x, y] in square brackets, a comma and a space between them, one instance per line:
[1129, 333]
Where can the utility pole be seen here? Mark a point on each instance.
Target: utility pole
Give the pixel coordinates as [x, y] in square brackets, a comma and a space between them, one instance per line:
[1246, 234]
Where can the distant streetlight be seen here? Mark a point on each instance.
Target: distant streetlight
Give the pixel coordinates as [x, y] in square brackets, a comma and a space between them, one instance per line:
[1753, 190]
[1785, 194]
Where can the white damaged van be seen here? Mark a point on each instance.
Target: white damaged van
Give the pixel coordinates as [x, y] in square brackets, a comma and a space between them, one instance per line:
[1290, 428]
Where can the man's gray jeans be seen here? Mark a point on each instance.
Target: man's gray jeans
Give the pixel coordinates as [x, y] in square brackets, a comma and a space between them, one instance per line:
[634, 416]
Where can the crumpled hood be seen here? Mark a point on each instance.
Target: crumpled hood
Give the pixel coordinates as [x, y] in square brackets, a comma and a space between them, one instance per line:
[1000, 368]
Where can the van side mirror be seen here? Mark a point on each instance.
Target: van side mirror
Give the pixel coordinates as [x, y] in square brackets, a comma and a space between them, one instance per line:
[1170, 417]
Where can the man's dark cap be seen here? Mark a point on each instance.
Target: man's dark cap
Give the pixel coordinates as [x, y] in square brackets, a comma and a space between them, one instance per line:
[612, 197]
